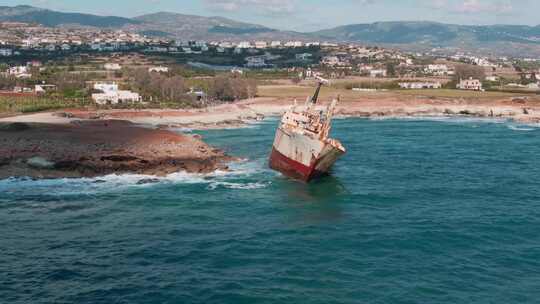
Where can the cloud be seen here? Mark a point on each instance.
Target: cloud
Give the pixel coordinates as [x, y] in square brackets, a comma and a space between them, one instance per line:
[266, 7]
[498, 7]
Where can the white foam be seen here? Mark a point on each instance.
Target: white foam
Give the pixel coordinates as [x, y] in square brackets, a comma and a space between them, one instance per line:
[521, 128]
[116, 182]
[237, 186]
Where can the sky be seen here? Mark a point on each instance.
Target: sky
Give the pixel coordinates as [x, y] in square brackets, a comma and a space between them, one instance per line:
[310, 15]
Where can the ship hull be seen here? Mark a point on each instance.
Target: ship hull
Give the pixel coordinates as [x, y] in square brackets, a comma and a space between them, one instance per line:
[300, 157]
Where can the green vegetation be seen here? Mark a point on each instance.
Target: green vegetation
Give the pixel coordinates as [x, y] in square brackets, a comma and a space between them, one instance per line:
[378, 85]
[37, 104]
[172, 89]
[445, 93]
[465, 71]
[292, 91]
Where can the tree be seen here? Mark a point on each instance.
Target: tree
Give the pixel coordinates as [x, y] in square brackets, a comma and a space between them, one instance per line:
[465, 71]
[391, 69]
[157, 86]
[7, 82]
[70, 84]
[230, 88]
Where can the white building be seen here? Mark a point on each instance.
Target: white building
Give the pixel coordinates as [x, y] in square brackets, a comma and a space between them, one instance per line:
[105, 86]
[420, 85]
[470, 84]
[112, 95]
[116, 97]
[244, 45]
[112, 66]
[19, 72]
[226, 45]
[260, 44]
[275, 44]
[237, 71]
[377, 73]
[437, 69]
[294, 44]
[44, 88]
[159, 69]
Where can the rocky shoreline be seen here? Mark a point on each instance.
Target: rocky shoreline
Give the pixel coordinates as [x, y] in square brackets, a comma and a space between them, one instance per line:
[79, 143]
[98, 148]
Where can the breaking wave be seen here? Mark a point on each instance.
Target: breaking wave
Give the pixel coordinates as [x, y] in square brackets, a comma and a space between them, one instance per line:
[525, 128]
[237, 186]
[239, 177]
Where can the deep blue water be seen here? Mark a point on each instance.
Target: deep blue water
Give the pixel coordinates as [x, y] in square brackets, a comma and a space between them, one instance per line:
[419, 211]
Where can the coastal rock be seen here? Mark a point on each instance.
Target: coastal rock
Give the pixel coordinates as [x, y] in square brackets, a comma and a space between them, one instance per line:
[97, 148]
[15, 127]
[39, 163]
[146, 181]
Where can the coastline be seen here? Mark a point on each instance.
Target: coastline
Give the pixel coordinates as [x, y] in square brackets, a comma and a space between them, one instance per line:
[240, 114]
[79, 143]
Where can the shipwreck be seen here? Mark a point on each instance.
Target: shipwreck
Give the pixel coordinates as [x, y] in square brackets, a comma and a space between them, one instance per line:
[302, 148]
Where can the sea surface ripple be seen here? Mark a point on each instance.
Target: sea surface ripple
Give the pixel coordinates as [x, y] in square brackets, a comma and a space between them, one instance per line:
[418, 211]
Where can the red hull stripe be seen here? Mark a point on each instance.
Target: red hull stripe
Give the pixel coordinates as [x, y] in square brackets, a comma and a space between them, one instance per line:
[292, 168]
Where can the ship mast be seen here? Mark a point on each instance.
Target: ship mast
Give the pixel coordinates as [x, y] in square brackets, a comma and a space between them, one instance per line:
[321, 81]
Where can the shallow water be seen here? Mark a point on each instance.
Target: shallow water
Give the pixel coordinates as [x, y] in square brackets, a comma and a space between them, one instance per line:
[418, 211]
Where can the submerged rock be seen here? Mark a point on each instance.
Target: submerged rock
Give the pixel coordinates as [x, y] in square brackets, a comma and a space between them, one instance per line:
[40, 163]
[146, 181]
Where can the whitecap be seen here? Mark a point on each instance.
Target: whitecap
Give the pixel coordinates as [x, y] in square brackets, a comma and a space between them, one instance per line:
[237, 186]
[119, 182]
[520, 128]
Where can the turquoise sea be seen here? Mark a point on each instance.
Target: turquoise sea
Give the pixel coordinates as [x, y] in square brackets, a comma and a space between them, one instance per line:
[419, 211]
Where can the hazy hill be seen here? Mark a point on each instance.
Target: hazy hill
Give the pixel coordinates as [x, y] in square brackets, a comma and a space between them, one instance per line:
[497, 39]
[29, 14]
[195, 27]
[431, 34]
[161, 24]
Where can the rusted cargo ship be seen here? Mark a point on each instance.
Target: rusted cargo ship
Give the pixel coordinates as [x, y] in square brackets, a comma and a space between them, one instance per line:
[302, 149]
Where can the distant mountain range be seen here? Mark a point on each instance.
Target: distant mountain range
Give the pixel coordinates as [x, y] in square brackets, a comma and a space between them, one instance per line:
[29, 14]
[497, 39]
[432, 32]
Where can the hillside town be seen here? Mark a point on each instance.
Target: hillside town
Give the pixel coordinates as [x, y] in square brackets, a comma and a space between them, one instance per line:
[29, 52]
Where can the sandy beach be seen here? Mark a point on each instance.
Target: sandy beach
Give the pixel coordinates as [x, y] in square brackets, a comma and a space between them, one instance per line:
[523, 109]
